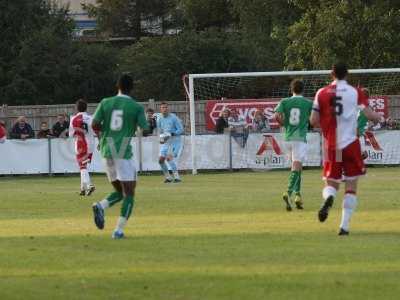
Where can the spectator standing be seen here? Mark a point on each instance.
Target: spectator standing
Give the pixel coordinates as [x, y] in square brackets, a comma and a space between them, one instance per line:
[391, 124]
[260, 122]
[151, 122]
[22, 130]
[239, 128]
[375, 126]
[60, 128]
[44, 132]
[222, 121]
[236, 121]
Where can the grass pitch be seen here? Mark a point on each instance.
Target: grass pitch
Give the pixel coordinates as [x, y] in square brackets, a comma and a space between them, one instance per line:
[215, 236]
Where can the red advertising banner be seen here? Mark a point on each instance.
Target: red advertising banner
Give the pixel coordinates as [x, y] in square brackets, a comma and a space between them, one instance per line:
[247, 107]
[380, 104]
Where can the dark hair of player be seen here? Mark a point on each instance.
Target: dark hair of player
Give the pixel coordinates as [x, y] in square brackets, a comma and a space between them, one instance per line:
[339, 70]
[81, 105]
[164, 103]
[150, 110]
[297, 86]
[125, 84]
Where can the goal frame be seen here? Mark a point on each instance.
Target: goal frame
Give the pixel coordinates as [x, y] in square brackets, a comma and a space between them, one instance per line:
[190, 91]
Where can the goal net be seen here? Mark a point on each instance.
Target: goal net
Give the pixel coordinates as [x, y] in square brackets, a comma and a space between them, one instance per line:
[249, 94]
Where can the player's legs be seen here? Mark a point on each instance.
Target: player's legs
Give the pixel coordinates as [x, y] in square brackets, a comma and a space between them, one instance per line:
[176, 149]
[84, 159]
[162, 161]
[286, 196]
[80, 158]
[89, 186]
[126, 173]
[112, 198]
[332, 175]
[353, 168]
[328, 195]
[349, 205]
[128, 188]
[299, 152]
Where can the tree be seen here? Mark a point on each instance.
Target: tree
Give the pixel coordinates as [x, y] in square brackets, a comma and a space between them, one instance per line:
[200, 15]
[131, 18]
[362, 33]
[41, 64]
[157, 64]
[19, 22]
[263, 25]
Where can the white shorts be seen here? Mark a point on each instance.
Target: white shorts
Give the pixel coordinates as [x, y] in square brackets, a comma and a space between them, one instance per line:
[120, 169]
[296, 150]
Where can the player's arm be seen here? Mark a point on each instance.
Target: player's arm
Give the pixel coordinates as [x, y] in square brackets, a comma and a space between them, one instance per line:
[372, 115]
[279, 118]
[142, 122]
[71, 127]
[278, 115]
[178, 126]
[158, 125]
[314, 117]
[363, 105]
[97, 120]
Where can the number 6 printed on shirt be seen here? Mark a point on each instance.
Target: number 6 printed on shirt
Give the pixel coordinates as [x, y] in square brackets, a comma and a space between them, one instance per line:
[116, 119]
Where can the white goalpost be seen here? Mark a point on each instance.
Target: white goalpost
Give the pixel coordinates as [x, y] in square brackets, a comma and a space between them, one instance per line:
[262, 85]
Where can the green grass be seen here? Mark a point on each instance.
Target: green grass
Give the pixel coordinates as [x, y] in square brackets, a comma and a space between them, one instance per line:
[215, 236]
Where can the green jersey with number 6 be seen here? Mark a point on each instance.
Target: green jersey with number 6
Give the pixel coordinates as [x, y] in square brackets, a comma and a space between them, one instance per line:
[119, 117]
[296, 112]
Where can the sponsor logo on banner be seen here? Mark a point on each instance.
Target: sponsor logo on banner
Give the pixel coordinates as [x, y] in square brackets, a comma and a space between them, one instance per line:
[380, 104]
[270, 153]
[373, 148]
[245, 108]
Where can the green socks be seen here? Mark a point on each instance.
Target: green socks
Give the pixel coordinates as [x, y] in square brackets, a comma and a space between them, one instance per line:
[294, 182]
[114, 197]
[127, 206]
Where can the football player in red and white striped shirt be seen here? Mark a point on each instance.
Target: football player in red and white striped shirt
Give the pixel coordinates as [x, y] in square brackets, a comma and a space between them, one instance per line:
[80, 129]
[335, 110]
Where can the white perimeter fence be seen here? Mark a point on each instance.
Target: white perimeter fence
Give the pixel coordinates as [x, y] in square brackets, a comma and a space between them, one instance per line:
[258, 151]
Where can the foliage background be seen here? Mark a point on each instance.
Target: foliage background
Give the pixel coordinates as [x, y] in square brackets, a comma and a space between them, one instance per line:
[42, 63]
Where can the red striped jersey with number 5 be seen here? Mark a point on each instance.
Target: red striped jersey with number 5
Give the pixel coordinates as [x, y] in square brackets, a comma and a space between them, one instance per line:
[338, 105]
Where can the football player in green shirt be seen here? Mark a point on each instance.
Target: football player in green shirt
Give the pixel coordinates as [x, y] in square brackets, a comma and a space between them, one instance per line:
[115, 122]
[362, 125]
[293, 114]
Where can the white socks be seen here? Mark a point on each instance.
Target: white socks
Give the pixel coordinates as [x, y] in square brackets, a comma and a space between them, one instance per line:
[121, 224]
[328, 191]
[176, 175]
[104, 204]
[85, 179]
[349, 204]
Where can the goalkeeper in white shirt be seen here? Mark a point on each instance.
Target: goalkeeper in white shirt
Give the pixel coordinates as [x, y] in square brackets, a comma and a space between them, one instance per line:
[170, 128]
